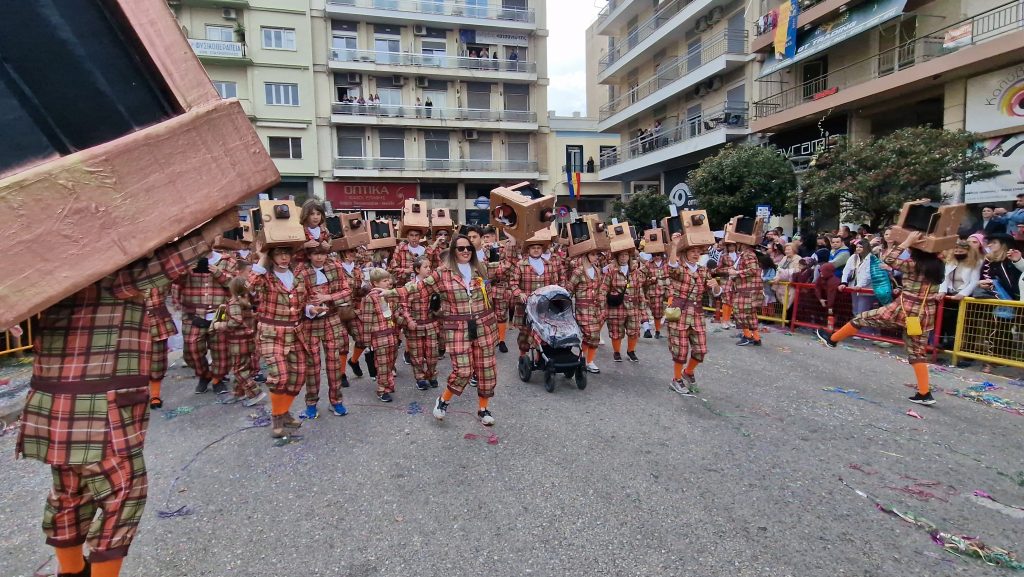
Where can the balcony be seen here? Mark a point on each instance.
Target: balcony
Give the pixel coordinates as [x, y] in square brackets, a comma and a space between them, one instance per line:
[433, 65]
[396, 115]
[811, 12]
[489, 169]
[984, 42]
[724, 52]
[616, 13]
[489, 13]
[220, 52]
[713, 127]
[657, 32]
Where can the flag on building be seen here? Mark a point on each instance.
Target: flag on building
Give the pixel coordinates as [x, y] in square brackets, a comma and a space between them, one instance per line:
[575, 182]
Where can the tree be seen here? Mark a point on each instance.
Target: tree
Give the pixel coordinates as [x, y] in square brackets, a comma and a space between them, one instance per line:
[642, 208]
[738, 178]
[870, 180]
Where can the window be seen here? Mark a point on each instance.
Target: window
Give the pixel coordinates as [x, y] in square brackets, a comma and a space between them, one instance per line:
[437, 151]
[278, 38]
[574, 157]
[343, 48]
[590, 205]
[388, 50]
[693, 55]
[693, 115]
[480, 149]
[226, 89]
[433, 52]
[392, 143]
[517, 147]
[350, 142]
[282, 94]
[285, 147]
[221, 33]
[517, 97]
[479, 95]
[390, 96]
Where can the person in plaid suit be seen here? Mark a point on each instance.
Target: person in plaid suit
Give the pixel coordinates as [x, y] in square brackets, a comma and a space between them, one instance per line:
[501, 289]
[87, 410]
[328, 290]
[314, 222]
[532, 272]
[726, 261]
[657, 290]
[468, 324]
[746, 291]
[626, 278]
[353, 271]
[239, 325]
[281, 300]
[200, 292]
[588, 288]
[379, 317]
[401, 263]
[422, 338]
[687, 336]
[922, 274]
[161, 328]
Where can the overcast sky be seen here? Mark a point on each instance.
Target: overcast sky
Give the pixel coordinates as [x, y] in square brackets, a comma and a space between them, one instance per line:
[567, 22]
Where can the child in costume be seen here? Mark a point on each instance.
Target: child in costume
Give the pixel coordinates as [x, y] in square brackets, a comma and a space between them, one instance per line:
[200, 292]
[378, 319]
[532, 272]
[161, 328]
[314, 223]
[589, 290]
[328, 290]
[422, 338]
[746, 290]
[239, 325]
[687, 335]
[657, 291]
[625, 281]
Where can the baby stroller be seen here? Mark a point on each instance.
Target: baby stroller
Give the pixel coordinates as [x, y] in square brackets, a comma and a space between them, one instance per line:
[557, 340]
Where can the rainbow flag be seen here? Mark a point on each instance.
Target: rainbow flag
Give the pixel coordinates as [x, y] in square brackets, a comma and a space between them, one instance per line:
[575, 182]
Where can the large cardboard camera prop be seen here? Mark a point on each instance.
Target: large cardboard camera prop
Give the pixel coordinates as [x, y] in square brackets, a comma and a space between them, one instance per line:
[621, 235]
[520, 215]
[279, 224]
[355, 232]
[600, 229]
[744, 230]
[937, 224]
[382, 234]
[415, 216]
[542, 237]
[584, 235]
[106, 123]
[654, 241]
[693, 225]
[440, 220]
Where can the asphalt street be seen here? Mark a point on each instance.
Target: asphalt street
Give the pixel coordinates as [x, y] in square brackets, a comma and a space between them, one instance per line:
[623, 478]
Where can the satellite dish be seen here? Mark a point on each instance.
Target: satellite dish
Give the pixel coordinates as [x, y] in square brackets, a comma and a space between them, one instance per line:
[681, 195]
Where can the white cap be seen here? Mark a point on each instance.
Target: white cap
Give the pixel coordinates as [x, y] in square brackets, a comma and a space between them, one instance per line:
[719, 234]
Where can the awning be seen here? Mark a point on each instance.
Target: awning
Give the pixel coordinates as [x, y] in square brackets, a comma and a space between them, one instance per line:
[845, 26]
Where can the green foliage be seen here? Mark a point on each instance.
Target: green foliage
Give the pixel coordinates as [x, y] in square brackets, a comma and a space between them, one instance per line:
[739, 178]
[870, 180]
[642, 208]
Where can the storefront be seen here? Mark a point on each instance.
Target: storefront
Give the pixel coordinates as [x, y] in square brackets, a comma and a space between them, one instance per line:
[375, 199]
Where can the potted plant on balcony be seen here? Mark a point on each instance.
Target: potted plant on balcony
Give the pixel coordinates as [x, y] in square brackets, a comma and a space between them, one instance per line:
[240, 33]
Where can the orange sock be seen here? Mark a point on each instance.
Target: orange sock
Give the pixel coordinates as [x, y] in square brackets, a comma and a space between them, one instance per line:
[846, 332]
[617, 345]
[279, 404]
[747, 333]
[484, 401]
[757, 335]
[446, 395]
[344, 360]
[677, 371]
[591, 354]
[111, 568]
[921, 372]
[356, 353]
[502, 329]
[215, 381]
[69, 559]
[154, 392]
[657, 325]
[691, 366]
[631, 344]
[726, 313]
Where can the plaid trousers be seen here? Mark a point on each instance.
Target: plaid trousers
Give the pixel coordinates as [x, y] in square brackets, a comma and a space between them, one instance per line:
[241, 349]
[285, 352]
[384, 357]
[327, 333]
[689, 341]
[158, 360]
[422, 346]
[472, 357]
[351, 329]
[892, 316]
[745, 304]
[200, 341]
[100, 504]
[624, 321]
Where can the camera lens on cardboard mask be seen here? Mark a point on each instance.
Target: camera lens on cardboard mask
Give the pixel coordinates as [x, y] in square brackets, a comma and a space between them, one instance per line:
[282, 212]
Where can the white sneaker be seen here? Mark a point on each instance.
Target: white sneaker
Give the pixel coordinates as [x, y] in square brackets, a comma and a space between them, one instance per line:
[592, 368]
[727, 326]
[486, 418]
[677, 386]
[440, 409]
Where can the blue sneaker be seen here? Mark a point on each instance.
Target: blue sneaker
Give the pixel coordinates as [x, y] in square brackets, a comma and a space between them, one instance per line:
[339, 409]
[311, 412]
[422, 385]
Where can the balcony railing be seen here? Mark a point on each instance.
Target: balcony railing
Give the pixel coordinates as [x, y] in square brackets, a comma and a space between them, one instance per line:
[642, 32]
[431, 164]
[432, 112]
[726, 115]
[947, 40]
[432, 60]
[217, 48]
[479, 9]
[729, 42]
[581, 168]
[607, 10]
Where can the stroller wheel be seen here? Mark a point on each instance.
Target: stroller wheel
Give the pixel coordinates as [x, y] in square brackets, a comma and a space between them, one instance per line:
[581, 378]
[549, 381]
[525, 367]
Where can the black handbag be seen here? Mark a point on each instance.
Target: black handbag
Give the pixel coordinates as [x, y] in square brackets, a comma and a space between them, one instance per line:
[616, 299]
[200, 322]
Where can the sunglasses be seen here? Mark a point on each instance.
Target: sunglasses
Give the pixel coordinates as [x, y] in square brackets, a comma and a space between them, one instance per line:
[464, 248]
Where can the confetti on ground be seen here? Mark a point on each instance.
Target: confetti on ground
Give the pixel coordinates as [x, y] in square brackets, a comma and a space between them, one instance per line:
[989, 399]
[1016, 382]
[414, 408]
[492, 439]
[470, 436]
[985, 495]
[177, 412]
[913, 413]
[784, 349]
[288, 440]
[5, 382]
[859, 467]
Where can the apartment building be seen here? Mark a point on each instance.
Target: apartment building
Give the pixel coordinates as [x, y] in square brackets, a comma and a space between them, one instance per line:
[866, 68]
[433, 99]
[675, 82]
[261, 53]
[574, 146]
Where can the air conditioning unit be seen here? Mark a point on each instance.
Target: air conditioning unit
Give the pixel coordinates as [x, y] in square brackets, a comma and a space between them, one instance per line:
[702, 24]
[230, 14]
[469, 134]
[701, 91]
[419, 30]
[398, 80]
[714, 16]
[422, 82]
[715, 83]
[355, 78]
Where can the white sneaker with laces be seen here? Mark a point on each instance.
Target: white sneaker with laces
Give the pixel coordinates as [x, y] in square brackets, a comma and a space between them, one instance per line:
[592, 368]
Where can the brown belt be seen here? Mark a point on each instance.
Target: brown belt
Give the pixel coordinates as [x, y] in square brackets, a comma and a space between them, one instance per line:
[89, 387]
[678, 302]
[384, 333]
[585, 302]
[277, 323]
[456, 321]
